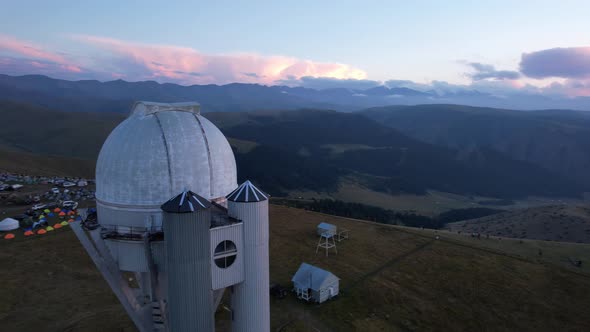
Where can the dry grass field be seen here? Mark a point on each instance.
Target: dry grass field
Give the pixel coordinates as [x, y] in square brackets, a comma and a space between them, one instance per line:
[562, 223]
[393, 279]
[430, 204]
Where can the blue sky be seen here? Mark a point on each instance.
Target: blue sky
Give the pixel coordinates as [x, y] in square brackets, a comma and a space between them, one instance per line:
[279, 41]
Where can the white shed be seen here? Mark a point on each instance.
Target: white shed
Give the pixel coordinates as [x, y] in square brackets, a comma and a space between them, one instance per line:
[328, 229]
[314, 284]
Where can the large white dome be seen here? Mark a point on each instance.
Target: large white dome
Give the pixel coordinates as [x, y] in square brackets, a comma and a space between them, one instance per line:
[159, 151]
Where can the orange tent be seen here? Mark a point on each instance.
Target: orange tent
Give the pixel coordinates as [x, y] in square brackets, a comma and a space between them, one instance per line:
[29, 233]
[61, 214]
[71, 213]
[56, 210]
[56, 226]
[41, 231]
[9, 236]
[71, 220]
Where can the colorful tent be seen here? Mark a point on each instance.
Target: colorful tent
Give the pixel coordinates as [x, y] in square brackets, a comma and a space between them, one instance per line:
[71, 213]
[29, 233]
[62, 214]
[70, 220]
[50, 214]
[41, 231]
[64, 223]
[41, 217]
[9, 236]
[49, 228]
[56, 210]
[47, 211]
[57, 226]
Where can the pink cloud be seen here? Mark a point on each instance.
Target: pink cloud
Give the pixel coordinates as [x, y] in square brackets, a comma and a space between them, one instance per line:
[189, 66]
[21, 48]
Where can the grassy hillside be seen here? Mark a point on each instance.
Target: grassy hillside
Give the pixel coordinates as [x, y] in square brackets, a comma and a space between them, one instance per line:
[393, 279]
[43, 131]
[552, 223]
[27, 163]
[557, 140]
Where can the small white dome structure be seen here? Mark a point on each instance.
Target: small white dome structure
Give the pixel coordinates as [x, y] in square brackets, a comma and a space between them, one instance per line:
[158, 151]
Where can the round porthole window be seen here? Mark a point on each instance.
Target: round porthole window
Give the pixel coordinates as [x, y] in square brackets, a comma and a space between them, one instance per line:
[225, 254]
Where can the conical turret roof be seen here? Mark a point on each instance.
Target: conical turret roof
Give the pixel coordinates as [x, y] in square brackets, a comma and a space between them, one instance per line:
[247, 192]
[185, 202]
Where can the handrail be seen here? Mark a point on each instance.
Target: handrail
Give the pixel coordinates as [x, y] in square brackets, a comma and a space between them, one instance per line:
[128, 232]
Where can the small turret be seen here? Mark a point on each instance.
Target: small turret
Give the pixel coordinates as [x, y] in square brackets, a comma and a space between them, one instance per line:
[250, 299]
[187, 219]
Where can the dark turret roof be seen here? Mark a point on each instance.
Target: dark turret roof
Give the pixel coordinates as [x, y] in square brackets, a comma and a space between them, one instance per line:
[185, 202]
[247, 192]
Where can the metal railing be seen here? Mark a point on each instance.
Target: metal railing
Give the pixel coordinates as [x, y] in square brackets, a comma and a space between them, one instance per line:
[129, 232]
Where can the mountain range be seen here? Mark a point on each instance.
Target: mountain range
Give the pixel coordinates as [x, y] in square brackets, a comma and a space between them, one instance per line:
[117, 96]
[282, 142]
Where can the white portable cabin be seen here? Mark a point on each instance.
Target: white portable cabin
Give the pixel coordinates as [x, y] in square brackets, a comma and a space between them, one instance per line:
[327, 229]
[314, 284]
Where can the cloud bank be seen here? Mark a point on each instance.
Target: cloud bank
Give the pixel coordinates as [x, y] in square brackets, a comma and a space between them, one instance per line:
[189, 66]
[572, 62]
[485, 71]
[561, 72]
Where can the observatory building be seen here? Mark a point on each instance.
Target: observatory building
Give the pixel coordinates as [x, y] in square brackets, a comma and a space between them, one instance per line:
[171, 216]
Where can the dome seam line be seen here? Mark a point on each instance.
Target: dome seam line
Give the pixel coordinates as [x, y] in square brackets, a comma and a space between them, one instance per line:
[211, 180]
[165, 148]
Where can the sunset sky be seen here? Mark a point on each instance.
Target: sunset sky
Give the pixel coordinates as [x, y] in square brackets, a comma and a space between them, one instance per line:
[538, 46]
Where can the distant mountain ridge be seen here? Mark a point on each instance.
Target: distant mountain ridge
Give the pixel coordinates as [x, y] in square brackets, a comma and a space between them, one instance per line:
[116, 96]
[556, 140]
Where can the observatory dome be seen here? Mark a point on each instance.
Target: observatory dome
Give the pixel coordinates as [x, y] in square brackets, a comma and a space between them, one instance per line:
[159, 151]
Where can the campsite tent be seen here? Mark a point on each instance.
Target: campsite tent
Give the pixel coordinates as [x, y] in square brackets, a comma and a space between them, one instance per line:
[9, 236]
[8, 224]
[41, 231]
[56, 210]
[312, 283]
[29, 233]
[47, 211]
[62, 214]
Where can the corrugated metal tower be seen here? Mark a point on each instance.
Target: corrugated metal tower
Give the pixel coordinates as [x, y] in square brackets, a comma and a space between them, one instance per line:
[250, 299]
[187, 218]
